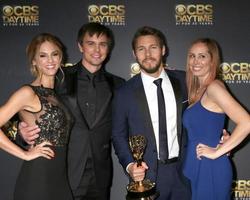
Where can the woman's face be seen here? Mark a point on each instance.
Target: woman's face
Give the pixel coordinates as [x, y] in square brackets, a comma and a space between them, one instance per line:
[47, 59]
[199, 61]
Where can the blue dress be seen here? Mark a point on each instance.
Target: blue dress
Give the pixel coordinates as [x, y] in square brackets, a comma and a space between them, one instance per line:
[210, 179]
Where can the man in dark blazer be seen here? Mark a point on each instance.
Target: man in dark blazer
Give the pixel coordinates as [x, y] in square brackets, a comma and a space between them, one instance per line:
[135, 112]
[87, 90]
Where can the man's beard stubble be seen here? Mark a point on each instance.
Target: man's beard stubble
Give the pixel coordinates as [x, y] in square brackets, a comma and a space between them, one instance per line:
[150, 70]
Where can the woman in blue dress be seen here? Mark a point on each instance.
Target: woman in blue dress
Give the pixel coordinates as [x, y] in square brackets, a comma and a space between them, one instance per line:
[207, 166]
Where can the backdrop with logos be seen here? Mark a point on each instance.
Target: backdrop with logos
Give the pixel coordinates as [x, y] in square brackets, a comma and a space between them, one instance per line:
[227, 21]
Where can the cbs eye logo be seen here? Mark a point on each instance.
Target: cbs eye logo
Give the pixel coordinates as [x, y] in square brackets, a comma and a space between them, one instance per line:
[93, 10]
[225, 67]
[180, 9]
[8, 10]
[135, 69]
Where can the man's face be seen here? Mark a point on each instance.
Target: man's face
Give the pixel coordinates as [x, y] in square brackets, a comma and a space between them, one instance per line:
[94, 50]
[148, 53]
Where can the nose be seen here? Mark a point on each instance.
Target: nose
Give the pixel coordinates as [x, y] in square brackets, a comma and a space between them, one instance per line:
[50, 59]
[97, 48]
[196, 60]
[148, 52]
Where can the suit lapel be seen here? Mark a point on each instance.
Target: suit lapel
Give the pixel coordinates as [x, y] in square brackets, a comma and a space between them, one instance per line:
[67, 90]
[142, 104]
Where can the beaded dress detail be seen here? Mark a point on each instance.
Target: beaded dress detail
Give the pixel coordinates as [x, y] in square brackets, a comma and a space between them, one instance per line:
[41, 178]
[52, 118]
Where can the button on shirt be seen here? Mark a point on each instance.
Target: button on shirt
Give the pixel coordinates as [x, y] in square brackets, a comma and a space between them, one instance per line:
[91, 105]
[170, 104]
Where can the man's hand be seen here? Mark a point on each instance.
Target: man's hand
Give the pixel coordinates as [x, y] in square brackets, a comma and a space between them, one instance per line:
[137, 173]
[28, 133]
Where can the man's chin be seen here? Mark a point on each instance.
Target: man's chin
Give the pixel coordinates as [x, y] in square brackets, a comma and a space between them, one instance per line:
[151, 70]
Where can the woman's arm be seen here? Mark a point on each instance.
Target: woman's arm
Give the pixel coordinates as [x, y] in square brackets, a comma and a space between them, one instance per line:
[24, 98]
[217, 92]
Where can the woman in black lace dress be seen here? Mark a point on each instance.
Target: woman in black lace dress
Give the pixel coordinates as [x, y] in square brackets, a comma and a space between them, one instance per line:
[37, 104]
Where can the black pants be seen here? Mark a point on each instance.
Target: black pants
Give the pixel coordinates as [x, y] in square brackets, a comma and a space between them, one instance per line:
[171, 184]
[87, 189]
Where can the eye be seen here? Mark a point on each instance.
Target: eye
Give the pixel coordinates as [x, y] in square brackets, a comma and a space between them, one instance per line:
[104, 44]
[55, 54]
[90, 43]
[202, 56]
[42, 55]
[154, 47]
[191, 56]
[139, 49]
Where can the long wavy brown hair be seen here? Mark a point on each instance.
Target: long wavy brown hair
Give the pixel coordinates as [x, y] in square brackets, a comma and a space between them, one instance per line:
[34, 46]
[195, 89]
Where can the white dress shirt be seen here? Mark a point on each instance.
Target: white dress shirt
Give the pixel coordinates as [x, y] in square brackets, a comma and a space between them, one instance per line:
[171, 112]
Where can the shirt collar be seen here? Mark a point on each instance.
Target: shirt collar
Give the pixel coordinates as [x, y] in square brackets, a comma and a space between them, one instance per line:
[148, 80]
[84, 74]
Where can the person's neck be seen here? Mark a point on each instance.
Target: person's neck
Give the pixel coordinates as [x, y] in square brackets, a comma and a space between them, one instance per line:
[91, 68]
[47, 82]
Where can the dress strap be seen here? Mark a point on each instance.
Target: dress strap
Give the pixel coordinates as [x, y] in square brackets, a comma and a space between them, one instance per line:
[36, 91]
[203, 92]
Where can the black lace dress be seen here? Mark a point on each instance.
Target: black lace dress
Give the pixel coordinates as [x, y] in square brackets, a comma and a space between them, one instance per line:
[43, 179]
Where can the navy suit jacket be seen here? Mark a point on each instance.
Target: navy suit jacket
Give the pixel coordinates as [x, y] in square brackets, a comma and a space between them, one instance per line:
[131, 116]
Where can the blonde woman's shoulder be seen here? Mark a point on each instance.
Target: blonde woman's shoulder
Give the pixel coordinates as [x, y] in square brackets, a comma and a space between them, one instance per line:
[24, 95]
[216, 89]
[216, 84]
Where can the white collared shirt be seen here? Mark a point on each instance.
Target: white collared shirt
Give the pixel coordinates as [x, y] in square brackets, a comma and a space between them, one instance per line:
[171, 111]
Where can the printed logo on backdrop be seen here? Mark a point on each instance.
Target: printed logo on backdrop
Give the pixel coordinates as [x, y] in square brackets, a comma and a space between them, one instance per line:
[107, 14]
[235, 73]
[22, 15]
[241, 190]
[194, 14]
[134, 69]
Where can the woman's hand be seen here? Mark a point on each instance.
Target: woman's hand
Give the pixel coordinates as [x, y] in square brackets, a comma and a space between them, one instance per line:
[40, 150]
[205, 151]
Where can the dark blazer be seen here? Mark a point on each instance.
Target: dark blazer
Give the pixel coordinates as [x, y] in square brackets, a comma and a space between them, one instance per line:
[131, 117]
[98, 136]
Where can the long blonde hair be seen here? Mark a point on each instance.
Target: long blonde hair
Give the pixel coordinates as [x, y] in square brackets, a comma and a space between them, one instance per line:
[193, 83]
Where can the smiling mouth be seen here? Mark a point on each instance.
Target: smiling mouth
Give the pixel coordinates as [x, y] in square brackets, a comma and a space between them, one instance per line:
[196, 68]
[51, 67]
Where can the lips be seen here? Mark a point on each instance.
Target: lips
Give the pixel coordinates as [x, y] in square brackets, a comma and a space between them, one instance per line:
[96, 56]
[196, 68]
[149, 60]
[50, 66]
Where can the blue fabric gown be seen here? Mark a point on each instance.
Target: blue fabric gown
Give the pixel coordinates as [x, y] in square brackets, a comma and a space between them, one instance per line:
[210, 179]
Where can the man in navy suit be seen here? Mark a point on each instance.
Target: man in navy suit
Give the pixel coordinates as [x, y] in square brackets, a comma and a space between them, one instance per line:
[135, 112]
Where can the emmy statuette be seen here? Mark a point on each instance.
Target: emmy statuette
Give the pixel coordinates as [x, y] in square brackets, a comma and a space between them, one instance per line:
[145, 189]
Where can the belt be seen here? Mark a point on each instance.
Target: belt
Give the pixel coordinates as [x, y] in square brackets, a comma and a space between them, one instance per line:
[169, 161]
